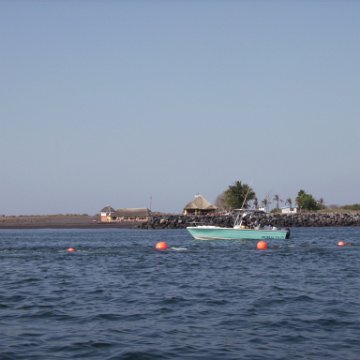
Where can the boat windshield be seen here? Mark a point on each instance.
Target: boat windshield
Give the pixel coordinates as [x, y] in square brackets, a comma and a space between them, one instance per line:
[241, 214]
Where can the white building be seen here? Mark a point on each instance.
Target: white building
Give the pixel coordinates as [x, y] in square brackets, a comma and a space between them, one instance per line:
[289, 210]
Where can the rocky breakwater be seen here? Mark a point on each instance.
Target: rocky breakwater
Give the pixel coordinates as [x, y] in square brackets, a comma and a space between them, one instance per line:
[315, 219]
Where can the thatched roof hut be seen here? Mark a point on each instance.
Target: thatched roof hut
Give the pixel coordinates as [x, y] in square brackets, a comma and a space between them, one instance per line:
[199, 206]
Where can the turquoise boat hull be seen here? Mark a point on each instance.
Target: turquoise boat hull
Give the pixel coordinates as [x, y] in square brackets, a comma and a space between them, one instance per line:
[219, 233]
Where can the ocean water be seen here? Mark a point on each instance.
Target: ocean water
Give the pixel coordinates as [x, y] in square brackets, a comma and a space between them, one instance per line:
[117, 297]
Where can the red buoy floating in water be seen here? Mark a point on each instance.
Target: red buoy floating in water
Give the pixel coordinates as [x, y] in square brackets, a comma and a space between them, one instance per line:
[262, 245]
[161, 245]
[71, 249]
[341, 243]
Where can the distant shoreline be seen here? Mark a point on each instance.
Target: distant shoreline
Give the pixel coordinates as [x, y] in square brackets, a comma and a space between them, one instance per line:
[164, 221]
[67, 226]
[59, 222]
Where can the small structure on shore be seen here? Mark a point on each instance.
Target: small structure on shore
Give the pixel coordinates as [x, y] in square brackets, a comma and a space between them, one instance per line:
[133, 214]
[199, 206]
[109, 215]
[289, 210]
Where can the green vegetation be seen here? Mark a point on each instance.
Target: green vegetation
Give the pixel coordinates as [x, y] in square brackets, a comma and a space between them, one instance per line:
[236, 196]
[307, 202]
[351, 207]
[241, 195]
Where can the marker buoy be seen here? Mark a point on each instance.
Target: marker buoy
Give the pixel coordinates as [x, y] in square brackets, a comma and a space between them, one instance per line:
[341, 243]
[71, 249]
[161, 245]
[262, 245]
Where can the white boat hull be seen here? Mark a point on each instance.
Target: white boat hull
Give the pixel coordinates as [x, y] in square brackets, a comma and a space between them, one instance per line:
[220, 233]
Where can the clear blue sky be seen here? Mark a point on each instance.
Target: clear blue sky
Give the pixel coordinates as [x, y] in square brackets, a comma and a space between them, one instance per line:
[114, 102]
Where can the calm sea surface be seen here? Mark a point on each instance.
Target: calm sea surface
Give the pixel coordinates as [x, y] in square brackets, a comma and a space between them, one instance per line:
[118, 298]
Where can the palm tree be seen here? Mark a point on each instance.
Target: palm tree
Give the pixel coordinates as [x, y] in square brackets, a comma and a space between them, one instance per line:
[238, 195]
[321, 203]
[277, 200]
[288, 202]
[265, 203]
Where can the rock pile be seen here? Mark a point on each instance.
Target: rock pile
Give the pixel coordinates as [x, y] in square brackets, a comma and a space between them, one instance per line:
[279, 220]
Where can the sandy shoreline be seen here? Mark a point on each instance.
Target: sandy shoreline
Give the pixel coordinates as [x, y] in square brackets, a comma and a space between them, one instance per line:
[59, 222]
[67, 226]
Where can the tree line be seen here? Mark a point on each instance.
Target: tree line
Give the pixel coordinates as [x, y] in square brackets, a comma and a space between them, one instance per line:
[241, 195]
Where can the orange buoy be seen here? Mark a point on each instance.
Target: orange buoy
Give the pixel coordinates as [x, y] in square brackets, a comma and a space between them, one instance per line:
[262, 245]
[161, 245]
[71, 249]
[341, 243]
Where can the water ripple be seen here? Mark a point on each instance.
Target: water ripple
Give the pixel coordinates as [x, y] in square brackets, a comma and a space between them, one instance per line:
[118, 298]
